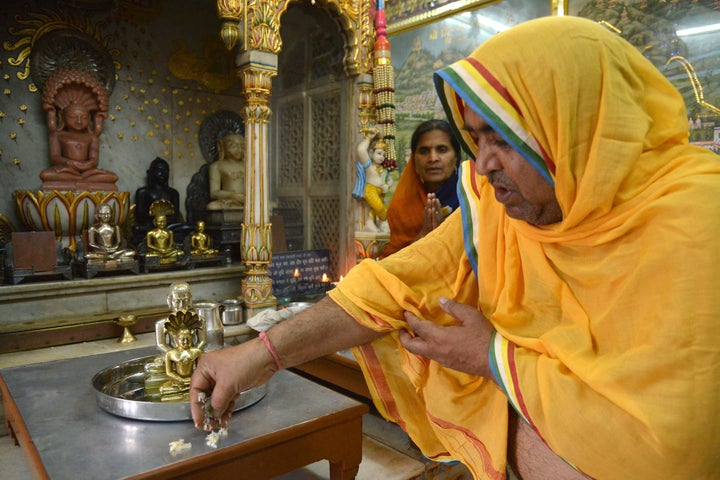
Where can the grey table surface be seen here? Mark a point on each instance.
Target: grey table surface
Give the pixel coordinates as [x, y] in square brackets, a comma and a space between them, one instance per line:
[75, 438]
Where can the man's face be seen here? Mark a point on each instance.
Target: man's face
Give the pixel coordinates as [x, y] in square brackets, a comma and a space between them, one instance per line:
[525, 194]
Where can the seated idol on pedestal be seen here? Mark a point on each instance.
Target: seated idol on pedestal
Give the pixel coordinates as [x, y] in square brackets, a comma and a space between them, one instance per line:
[201, 243]
[181, 360]
[160, 241]
[105, 240]
[227, 173]
[76, 104]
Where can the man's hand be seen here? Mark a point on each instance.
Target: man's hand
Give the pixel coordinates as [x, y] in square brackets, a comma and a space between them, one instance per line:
[222, 375]
[462, 347]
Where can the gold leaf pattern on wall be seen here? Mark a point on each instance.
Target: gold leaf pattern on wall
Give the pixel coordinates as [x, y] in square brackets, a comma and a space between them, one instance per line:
[203, 68]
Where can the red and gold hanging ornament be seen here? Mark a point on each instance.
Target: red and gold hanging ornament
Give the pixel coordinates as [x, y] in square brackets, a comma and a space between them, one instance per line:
[384, 86]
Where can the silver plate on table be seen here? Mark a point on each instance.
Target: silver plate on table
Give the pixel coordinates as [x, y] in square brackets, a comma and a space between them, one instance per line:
[120, 390]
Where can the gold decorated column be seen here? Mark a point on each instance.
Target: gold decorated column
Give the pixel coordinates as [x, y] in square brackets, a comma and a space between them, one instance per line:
[256, 72]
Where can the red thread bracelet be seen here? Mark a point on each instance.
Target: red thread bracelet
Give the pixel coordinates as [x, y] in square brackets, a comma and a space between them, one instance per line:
[270, 348]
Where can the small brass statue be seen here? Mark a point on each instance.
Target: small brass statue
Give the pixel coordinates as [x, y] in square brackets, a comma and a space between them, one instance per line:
[160, 241]
[201, 242]
[180, 361]
[182, 338]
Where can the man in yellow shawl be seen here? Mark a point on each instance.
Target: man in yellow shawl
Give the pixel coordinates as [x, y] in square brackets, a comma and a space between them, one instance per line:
[570, 308]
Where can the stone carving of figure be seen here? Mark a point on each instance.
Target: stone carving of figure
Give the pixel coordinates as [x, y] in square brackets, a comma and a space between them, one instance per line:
[227, 173]
[76, 105]
[105, 240]
[161, 242]
[373, 181]
[157, 188]
[201, 242]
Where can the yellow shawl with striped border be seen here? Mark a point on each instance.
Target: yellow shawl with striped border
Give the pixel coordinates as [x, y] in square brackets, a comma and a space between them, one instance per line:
[608, 322]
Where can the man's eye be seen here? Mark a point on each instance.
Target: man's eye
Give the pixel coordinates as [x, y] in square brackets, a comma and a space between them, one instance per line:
[498, 141]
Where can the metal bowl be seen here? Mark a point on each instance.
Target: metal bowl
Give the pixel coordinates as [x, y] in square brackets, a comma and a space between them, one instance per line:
[120, 390]
[295, 304]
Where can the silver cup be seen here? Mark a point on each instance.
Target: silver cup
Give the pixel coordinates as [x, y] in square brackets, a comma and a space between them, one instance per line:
[231, 312]
[209, 312]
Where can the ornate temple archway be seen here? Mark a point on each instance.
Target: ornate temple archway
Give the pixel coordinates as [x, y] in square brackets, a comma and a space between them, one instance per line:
[252, 29]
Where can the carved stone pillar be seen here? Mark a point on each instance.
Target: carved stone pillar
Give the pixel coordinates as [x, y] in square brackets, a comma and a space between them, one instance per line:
[256, 71]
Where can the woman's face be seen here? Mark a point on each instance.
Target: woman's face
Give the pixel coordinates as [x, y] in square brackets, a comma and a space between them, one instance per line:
[435, 159]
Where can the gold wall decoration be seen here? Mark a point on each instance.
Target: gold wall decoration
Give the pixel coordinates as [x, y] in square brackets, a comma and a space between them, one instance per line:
[40, 22]
[213, 69]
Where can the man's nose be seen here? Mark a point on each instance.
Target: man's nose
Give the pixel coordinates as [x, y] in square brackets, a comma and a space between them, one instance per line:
[486, 159]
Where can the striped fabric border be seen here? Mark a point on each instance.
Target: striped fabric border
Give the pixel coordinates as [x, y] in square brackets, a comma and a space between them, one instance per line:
[502, 364]
[467, 81]
[468, 194]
